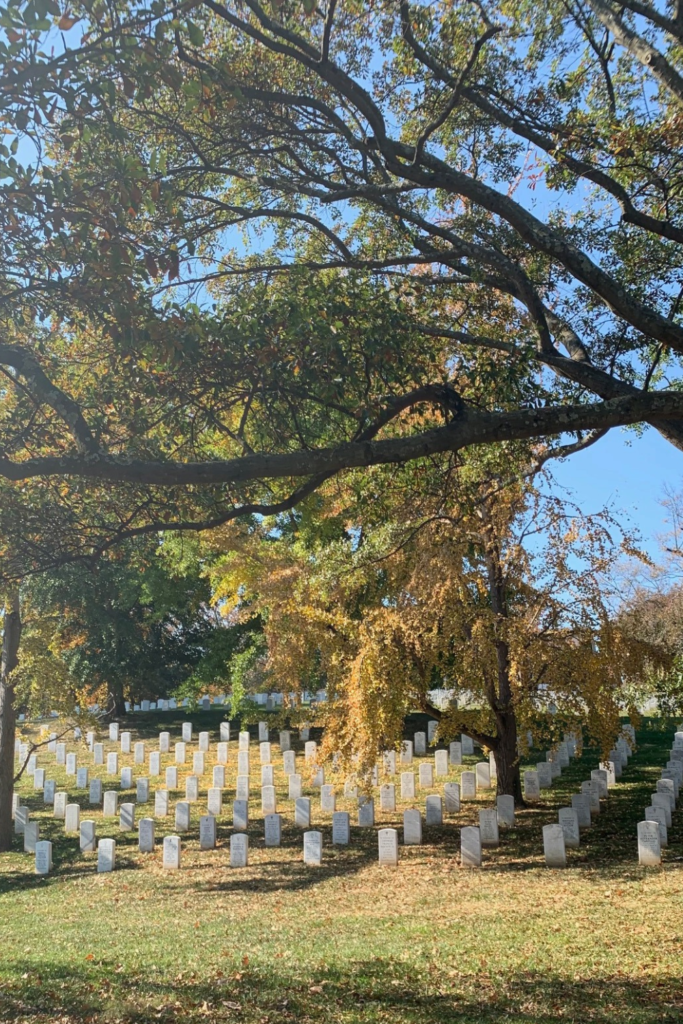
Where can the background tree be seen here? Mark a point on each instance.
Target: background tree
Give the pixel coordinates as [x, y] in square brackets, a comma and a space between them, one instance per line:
[496, 590]
[137, 625]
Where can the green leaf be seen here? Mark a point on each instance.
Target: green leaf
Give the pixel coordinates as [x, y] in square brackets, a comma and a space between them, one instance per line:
[196, 34]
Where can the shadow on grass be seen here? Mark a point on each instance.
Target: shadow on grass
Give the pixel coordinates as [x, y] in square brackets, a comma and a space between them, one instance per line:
[368, 992]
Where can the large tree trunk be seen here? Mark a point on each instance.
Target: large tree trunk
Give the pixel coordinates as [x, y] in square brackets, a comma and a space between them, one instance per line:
[507, 758]
[10, 657]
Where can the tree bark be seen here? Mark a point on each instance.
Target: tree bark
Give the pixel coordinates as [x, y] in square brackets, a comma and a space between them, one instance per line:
[507, 758]
[10, 658]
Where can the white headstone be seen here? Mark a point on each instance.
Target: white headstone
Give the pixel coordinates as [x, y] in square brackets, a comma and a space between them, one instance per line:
[88, 838]
[268, 800]
[31, 836]
[186, 732]
[21, 819]
[482, 772]
[172, 777]
[113, 763]
[242, 787]
[110, 805]
[224, 732]
[582, 806]
[82, 778]
[198, 763]
[127, 817]
[142, 791]
[72, 818]
[272, 826]
[214, 801]
[441, 763]
[387, 797]
[554, 846]
[532, 790]
[434, 811]
[649, 844]
[313, 848]
[467, 745]
[43, 857]
[295, 789]
[455, 752]
[171, 853]
[239, 850]
[222, 753]
[95, 793]
[192, 788]
[569, 820]
[146, 835]
[505, 809]
[207, 832]
[265, 752]
[420, 744]
[98, 753]
[468, 786]
[426, 775]
[470, 847]
[155, 763]
[327, 799]
[451, 797]
[545, 775]
[182, 816]
[114, 731]
[240, 815]
[600, 775]
[125, 742]
[106, 855]
[59, 807]
[407, 785]
[71, 764]
[412, 828]
[387, 844]
[407, 752]
[242, 762]
[161, 803]
[654, 814]
[302, 811]
[164, 742]
[203, 742]
[341, 828]
[366, 811]
[126, 778]
[243, 741]
[180, 751]
[488, 827]
[662, 800]
[39, 777]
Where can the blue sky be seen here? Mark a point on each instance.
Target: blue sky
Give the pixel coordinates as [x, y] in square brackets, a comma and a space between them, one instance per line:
[629, 473]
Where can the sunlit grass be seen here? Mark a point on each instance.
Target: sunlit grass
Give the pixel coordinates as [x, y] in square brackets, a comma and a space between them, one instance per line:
[351, 942]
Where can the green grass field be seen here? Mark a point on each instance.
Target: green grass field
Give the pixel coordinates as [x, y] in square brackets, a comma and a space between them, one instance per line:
[351, 942]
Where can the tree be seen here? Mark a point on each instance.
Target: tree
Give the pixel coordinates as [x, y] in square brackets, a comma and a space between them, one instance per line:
[165, 133]
[11, 636]
[496, 590]
[148, 389]
[137, 625]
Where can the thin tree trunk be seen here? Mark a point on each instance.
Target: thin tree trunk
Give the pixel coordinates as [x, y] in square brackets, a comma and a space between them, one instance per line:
[10, 658]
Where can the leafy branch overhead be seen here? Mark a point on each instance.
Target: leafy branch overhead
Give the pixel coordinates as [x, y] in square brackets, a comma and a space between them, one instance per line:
[247, 247]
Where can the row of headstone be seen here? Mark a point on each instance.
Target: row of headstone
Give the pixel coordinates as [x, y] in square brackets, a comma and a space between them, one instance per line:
[566, 834]
[653, 831]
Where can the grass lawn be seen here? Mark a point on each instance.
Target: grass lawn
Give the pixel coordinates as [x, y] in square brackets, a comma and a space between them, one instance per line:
[427, 943]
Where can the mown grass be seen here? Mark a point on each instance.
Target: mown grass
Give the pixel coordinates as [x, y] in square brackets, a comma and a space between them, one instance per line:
[601, 941]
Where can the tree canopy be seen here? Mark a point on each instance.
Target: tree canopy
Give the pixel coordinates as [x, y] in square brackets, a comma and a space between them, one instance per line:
[241, 244]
